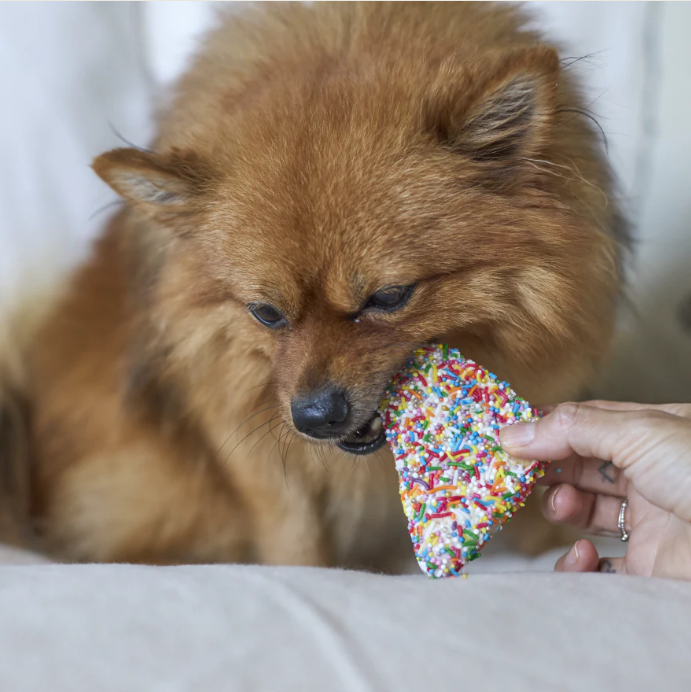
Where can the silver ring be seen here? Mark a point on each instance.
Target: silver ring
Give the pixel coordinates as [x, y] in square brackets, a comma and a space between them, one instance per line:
[621, 524]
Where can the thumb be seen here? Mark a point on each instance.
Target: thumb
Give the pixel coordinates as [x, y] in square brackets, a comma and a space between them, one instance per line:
[569, 428]
[652, 447]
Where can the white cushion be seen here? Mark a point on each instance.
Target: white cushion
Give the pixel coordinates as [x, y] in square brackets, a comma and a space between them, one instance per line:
[220, 628]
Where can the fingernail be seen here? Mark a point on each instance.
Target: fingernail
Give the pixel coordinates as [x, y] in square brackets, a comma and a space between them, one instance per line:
[517, 435]
[572, 555]
[553, 498]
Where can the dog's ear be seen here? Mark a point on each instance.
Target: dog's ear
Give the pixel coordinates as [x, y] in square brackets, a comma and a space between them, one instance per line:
[502, 111]
[149, 179]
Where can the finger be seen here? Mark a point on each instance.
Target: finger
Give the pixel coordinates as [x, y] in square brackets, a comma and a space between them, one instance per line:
[586, 430]
[595, 514]
[582, 557]
[683, 410]
[652, 447]
[591, 475]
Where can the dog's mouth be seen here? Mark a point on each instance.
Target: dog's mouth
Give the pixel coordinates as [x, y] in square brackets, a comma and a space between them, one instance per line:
[366, 439]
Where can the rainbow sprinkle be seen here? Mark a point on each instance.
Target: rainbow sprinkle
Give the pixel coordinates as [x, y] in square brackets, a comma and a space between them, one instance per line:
[442, 417]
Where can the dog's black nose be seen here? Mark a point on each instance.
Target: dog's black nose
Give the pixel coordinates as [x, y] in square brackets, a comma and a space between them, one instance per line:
[322, 413]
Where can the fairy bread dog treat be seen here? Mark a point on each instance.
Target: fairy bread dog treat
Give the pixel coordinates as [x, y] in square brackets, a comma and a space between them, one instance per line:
[442, 417]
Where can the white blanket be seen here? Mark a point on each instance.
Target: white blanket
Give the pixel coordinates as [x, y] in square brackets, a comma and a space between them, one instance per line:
[218, 629]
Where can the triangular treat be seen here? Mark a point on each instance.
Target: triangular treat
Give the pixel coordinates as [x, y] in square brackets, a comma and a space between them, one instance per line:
[442, 417]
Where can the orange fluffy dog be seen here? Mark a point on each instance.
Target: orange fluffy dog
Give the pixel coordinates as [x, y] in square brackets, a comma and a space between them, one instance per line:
[331, 186]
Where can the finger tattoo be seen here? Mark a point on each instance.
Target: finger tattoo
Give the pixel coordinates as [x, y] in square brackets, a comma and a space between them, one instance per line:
[605, 472]
[607, 567]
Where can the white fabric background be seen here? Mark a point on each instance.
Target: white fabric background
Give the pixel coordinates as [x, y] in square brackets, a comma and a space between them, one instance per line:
[66, 70]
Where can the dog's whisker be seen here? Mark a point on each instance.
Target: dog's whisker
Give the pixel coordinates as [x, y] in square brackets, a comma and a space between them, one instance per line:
[218, 451]
[263, 436]
[293, 437]
[314, 454]
[256, 386]
[281, 436]
[244, 438]
[320, 455]
[322, 452]
[283, 455]
[281, 427]
[271, 451]
[286, 439]
[249, 418]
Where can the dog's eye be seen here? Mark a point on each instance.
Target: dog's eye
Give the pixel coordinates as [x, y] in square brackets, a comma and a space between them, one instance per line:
[390, 298]
[268, 315]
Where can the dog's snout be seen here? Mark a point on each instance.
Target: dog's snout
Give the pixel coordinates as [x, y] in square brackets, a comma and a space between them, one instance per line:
[322, 413]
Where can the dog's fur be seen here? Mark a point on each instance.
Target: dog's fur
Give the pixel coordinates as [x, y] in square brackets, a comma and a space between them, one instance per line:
[311, 156]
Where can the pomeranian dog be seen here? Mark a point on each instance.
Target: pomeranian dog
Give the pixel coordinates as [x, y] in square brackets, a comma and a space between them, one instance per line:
[331, 186]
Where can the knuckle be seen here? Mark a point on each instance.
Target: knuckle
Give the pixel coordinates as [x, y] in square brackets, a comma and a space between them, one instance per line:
[683, 410]
[649, 417]
[567, 414]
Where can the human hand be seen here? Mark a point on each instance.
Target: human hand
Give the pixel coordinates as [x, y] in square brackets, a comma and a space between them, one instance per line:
[603, 453]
